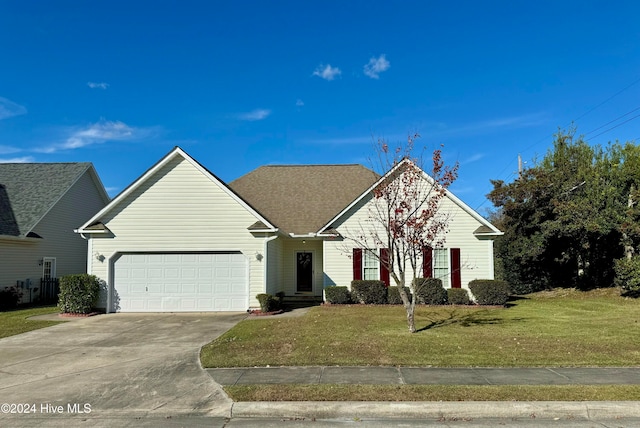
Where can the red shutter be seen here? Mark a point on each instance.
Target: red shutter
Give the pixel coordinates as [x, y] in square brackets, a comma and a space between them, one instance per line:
[357, 263]
[456, 281]
[384, 263]
[427, 261]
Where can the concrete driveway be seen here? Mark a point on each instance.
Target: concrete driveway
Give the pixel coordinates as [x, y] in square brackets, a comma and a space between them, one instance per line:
[115, 365]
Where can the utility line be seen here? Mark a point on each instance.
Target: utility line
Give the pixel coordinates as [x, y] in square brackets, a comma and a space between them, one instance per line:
[635, 82]
[611, 121]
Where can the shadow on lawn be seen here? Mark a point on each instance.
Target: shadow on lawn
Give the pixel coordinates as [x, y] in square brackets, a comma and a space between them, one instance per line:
[465, 319]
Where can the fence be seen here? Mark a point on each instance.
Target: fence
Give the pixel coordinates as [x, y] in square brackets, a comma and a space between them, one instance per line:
[49, 290]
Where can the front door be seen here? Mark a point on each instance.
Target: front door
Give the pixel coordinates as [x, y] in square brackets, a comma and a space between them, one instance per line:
[304, 272]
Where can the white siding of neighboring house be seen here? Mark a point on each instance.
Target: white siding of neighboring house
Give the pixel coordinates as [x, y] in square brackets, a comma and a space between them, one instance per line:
[179, 209]
[20, 259]
[476, 255]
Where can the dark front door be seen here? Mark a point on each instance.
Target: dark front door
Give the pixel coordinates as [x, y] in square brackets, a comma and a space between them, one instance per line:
[304, 272]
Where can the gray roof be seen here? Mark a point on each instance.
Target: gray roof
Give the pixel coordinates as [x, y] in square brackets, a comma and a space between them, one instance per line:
[301, 199]
[29, 190]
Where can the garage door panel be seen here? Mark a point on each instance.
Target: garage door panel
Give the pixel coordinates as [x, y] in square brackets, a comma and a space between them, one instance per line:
[181, 282]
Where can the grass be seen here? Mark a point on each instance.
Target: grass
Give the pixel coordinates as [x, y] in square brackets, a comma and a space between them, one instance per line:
[562, 328]
[433, 392]
[16, 322]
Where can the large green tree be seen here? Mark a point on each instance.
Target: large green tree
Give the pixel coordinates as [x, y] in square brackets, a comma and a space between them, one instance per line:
[569, 217]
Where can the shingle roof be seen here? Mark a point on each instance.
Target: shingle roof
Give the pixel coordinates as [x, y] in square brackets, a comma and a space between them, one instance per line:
[29, 190]
[301, 199]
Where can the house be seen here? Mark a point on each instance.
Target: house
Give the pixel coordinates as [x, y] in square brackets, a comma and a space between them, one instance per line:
[40, 206]
[180, 239]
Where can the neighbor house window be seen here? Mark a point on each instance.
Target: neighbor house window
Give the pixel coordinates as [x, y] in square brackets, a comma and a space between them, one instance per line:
[370, 265]
[48, 267]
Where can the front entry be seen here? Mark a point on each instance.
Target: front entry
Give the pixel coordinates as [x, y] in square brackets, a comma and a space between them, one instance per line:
[304, 272]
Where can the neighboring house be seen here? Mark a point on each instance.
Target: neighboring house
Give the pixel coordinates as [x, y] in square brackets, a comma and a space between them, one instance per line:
[40, 206]
[179, 239]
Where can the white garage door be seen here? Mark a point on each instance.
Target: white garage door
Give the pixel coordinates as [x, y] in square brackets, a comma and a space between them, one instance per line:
[181, 282]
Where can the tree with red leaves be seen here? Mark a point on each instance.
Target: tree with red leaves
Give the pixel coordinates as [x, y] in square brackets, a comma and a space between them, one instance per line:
[405, 215]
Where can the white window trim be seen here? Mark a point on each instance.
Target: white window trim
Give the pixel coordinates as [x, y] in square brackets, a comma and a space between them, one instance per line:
[53, 266]
[371, 254]
[446, 280]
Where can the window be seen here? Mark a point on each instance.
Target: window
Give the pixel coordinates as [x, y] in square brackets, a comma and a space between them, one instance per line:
[49, 267]
[370, 265]
[441, 264]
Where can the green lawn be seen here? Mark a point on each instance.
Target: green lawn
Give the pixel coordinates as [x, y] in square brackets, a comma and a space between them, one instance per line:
[560, 328]
[16, 322]
[433, 392]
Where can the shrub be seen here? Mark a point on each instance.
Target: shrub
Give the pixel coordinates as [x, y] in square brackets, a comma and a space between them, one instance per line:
[337, 295]
[78, 293]
[268, 303]
[490, 291]
[369, 292]
[628, 274]
[458, 296]
[9, 298]
[393, 295]
[522, 288]
[429, 291]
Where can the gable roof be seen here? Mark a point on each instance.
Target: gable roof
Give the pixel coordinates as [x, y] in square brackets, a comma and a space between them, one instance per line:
[29, 190]
[486, 228]
[300, 199]
[91, 225]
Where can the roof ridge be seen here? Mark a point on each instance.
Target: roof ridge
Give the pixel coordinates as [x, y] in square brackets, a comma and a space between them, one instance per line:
[312, 164]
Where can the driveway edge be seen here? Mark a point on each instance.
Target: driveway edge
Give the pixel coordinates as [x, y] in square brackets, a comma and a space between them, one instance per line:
[437, 410]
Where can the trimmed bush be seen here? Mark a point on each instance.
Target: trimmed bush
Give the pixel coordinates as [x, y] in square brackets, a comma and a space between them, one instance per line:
[628, 274]
[458, 296]
[393, 295]
[78, 293]
[9, 298]
[337, 295]
[429, 291]
[490, 291]
[369, 292]
[268, 303]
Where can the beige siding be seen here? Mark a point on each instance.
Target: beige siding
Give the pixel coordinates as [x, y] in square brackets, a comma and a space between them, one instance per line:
[274, 266]
[180, 209]
[476, 255]
[20, 260]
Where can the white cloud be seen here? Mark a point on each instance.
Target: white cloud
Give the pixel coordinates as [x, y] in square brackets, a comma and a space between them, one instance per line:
[257, 114]
[376, 66]
[5, 150]
[98, 133]
[24, 159]
[473, 158]
[9, 109]
[327, 72]
[95, 85]
[299, 103]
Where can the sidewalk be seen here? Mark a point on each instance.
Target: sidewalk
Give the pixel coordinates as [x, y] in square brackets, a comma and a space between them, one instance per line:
[427, 376]
[620, 411]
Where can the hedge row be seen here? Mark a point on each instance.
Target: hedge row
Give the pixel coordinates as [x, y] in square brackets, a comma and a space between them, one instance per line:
[429, 291]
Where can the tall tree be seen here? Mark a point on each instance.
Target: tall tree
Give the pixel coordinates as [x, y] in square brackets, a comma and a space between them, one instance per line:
[564, 218]
[404, 215]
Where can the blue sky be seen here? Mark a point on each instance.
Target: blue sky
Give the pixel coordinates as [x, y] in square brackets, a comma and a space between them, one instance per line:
[239, 84]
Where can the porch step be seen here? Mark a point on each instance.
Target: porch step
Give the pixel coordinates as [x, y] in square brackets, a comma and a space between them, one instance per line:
[292, 302]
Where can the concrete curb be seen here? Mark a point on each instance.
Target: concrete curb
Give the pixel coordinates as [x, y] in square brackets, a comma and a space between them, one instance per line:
[437, 410]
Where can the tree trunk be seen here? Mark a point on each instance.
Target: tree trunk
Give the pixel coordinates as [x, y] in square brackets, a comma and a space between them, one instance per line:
[410, 307]
[628, 248]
